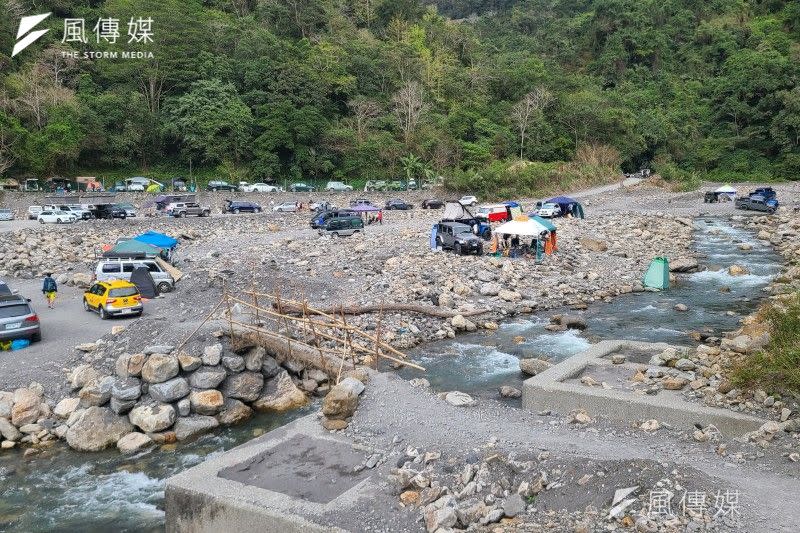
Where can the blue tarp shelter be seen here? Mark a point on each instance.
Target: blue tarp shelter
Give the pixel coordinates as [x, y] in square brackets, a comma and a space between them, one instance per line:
[568, 205]
[657, 275]
[157, 239]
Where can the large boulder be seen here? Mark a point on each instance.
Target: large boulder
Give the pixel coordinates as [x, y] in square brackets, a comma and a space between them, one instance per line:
[233, 412]
[97, 428]
[66, 407]
[234, 363]
[533, 366]
[254, 358]
[207, 377]
[341, 401]
[96, 392]
[160, 367]
[189, 363]
[8, 430]
[169, 391]
[152, 418]
[6, 403]
[212, 354]
[81, 375]
[126, 389]
[684, 264]
[245, 386]
[280, 394]
[270, 367]
[133, 442]
[81, 280]
[129, 365]
[27, 407]
[206, 402]
[190, 426]
[572, 322]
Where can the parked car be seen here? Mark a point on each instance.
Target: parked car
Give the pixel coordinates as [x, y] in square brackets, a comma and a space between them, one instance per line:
[458, 237]
[322, 206]
[218, 185]
[80, 213]
[286, 207]
[110, 298]
[33, 212]
[5, 289]
[755, 203]
[236, 207]
[137, 183]
[548, 210]
[398, 204]
[259, 187]
[360, 201]
[338, 186]
[432, 203]
[130, 209]
[56, 217]
[6, 214]
[301, 187]
[343, 226]
[185, 209]
[468, 200]
[322, 218]
[18, 320]
[396, 185]
[109, 211]
[375, 185]
[115, 268]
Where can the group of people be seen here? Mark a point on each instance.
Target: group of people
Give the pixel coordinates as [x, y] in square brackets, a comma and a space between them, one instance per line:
[375, 218]
[515, 246]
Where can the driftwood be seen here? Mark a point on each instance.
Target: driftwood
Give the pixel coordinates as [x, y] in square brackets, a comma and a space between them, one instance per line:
[430, 310]
[283, 349]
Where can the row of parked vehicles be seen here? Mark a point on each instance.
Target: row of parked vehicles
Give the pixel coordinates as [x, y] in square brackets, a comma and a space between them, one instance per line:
[69, 213]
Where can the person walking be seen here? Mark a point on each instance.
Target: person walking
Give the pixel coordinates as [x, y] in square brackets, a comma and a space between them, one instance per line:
[380, 217]
[49, 289]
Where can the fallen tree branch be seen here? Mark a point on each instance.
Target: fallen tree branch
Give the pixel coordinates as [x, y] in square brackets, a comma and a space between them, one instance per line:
[430, 310]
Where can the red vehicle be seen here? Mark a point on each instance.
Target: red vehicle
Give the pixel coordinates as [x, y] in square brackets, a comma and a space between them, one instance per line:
[494, 213]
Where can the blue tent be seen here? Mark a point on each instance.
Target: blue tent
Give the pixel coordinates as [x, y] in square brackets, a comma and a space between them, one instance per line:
[568, 205]
[157, 239]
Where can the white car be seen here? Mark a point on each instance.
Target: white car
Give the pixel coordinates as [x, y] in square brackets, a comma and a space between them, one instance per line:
[33, 212]
[56, 217]
[259, 187]
[468, 200]
[6, 214]
[286, 207]
[549, 210]
[338, 186]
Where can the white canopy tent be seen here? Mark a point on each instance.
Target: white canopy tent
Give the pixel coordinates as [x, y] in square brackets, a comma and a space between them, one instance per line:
[522, 226]
[726, 190]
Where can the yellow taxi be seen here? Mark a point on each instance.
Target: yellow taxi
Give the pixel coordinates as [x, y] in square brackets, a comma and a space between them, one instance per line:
[115, 297]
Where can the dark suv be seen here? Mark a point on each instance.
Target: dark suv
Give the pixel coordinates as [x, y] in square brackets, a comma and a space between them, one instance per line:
[17, 319]
[237, 207]
[109, 211]
[398, 204]
[458, 237]
[321, 219]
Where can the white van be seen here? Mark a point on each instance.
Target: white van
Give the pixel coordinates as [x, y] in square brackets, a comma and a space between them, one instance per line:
[121, 268]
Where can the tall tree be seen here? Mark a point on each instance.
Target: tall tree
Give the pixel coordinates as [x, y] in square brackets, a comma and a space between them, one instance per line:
[525, 112]
[409, 106]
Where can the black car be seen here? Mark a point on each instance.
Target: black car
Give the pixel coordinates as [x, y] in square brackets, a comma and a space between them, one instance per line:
[219, 185]
[109, 211]
[237, 207]
[398, 204]
[432, 203]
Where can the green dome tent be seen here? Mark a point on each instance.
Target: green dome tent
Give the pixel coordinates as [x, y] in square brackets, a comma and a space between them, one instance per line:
[657, 275]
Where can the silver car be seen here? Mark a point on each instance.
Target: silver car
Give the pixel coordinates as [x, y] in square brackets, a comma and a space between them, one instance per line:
[18, 320]
[6, 214]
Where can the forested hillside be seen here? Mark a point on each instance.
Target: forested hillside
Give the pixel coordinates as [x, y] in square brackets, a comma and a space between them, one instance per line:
[377, 89]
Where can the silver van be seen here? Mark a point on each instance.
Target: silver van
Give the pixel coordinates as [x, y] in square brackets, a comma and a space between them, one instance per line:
[122, 268]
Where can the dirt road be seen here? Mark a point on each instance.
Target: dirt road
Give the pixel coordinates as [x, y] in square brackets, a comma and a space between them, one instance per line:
[62, 328]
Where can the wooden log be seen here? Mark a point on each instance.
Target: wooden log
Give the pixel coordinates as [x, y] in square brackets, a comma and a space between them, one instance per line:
[430, 310]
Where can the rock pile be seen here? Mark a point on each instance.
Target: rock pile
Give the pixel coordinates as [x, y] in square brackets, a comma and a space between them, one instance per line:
[158, 396]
